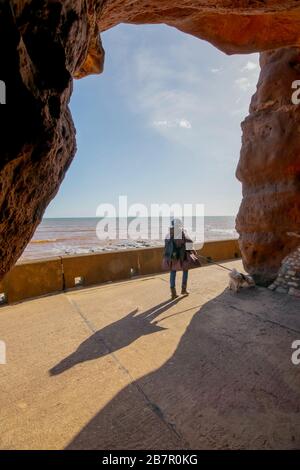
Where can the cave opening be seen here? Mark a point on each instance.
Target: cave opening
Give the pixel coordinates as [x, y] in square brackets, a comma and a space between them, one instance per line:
[165, 100]
[44, 146]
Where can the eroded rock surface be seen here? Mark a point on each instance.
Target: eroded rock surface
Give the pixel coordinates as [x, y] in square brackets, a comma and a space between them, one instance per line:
[43, 44]
[269, 167]
[234, 26]
[46, 43]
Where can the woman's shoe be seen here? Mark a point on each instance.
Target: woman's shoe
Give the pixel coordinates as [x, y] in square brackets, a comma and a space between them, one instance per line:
[184, 291]
[173, 293]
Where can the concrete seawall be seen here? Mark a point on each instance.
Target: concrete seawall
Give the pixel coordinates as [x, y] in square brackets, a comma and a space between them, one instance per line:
[30, 279]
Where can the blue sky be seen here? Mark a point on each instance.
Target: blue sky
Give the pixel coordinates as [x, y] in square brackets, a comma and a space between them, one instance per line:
[160, 125]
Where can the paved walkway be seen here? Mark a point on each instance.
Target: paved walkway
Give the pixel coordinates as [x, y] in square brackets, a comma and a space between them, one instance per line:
[120, 367]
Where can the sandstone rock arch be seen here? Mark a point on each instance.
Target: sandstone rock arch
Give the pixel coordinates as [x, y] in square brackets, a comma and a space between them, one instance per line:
[46, 43]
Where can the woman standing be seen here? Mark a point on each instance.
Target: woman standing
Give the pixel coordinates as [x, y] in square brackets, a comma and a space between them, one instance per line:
[179, 255]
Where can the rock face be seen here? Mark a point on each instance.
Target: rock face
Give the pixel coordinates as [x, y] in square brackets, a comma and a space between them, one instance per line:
[269, 167]
[43, 44]
[233, 26]
[46, 43]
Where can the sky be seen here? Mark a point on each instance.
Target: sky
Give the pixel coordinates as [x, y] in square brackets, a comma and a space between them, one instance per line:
[160, 125]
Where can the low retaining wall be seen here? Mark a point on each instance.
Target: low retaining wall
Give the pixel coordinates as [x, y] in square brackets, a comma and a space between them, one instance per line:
[40, 277]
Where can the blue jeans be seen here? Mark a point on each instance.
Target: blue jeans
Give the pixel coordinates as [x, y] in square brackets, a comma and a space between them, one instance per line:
[185, 276]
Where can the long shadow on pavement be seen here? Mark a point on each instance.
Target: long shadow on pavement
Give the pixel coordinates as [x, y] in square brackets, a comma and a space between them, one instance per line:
[115, 336]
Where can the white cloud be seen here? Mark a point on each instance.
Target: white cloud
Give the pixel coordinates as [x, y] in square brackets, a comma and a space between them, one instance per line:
[250, 66]
[243, 83]
[181, 123]
[215, 70]
[185, 124]
[161, 123]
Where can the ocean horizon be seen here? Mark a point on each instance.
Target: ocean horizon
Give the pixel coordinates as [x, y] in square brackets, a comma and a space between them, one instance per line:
[77, 235]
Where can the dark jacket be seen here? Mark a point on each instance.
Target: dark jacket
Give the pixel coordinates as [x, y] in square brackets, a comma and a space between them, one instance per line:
[176, 256]
[176, 249]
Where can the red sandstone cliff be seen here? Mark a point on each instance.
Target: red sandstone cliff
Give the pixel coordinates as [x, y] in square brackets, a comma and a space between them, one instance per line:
[269, 167]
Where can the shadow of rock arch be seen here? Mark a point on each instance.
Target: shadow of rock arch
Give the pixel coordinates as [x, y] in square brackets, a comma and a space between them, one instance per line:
[229, 384]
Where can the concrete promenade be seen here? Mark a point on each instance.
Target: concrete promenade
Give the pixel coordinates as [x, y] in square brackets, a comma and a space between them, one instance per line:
[119, 366]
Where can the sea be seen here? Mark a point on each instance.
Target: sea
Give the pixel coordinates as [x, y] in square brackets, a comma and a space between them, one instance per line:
[71, 236]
